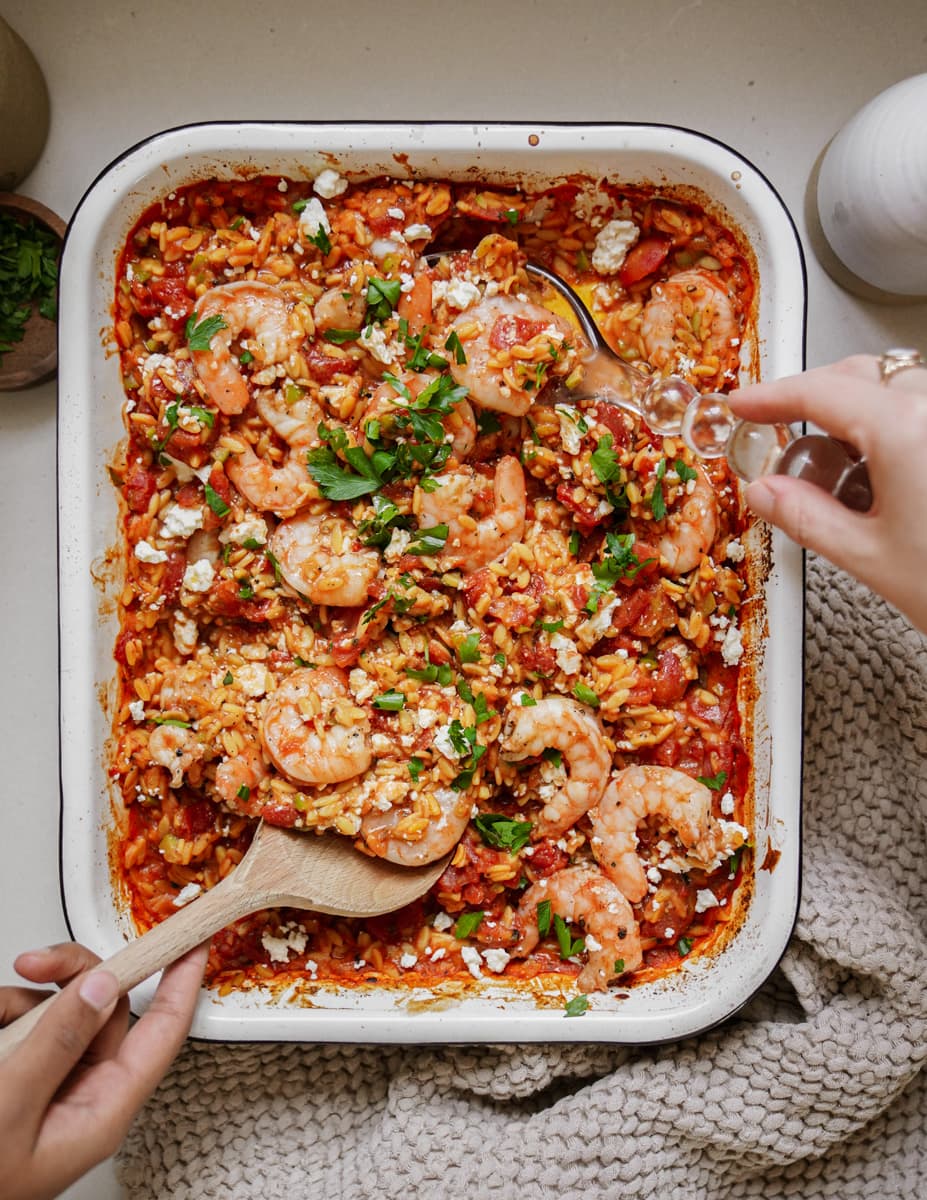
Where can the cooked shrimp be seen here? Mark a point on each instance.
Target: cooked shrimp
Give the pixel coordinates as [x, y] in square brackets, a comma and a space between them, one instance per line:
[176, 748]
[412, 838]
[639, 792]
[387, 403]
[583, 895]
[517, 346]
[690, 527]
[474, 541]
[281, 490]
[559, 723]
[297, 422]
[320, 557]
[312, 730]
[692, 303]
[339, 308]
[243, 771]
[261, 310]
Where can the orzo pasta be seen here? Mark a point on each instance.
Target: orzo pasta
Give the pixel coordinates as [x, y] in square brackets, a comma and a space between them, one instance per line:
[391, 573]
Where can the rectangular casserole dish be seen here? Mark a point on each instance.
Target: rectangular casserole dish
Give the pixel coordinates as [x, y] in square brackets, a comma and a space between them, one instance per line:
[707, 989]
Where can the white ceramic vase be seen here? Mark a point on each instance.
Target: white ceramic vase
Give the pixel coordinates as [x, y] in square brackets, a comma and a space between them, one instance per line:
[872, 191]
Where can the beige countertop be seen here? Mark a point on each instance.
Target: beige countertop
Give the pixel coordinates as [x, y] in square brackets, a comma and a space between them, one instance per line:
[774, 81]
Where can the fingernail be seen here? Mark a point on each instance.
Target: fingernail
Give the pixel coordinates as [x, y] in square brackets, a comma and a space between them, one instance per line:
[99, 990]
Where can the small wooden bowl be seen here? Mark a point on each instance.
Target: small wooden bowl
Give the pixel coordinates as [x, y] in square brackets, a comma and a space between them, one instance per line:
[35, 358]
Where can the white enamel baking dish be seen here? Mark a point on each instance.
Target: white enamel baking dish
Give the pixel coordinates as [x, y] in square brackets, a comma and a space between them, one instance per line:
[90, 399]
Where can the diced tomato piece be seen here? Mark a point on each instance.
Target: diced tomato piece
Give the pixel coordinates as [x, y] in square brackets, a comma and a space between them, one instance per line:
[193, 819]
[644, 258]
[669, 682]
[510, 330]
[138, 488]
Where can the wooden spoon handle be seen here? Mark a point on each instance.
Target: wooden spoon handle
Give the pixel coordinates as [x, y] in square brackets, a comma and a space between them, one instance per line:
[161, 945]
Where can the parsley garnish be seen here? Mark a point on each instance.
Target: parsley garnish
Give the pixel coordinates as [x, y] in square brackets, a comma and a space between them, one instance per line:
[684, 945]
[200, 335]
[715, 782]
[544, 915]
[339, 336]
[468, 651]
[586, 695]
[382, 298]
[685, 473]
[321, 239]
[511, 215]
[657, 499]
[568, 945]
[527, 701]
[553, 756]
[453, 344]
[620, 562]
[415, 768]
[577, 1006]
[245, 357]
[245, 591]
[470, 751]
[482, 712]
[215, 501]
[430, 541]
[502, 832]
[172, 721]
[619, 966]
[552, 626]
[28, 276]
[487, 422]
[604, 461]
[467, 924]
[574, 543]
[391, 701]
[244, 792]
[228, 680]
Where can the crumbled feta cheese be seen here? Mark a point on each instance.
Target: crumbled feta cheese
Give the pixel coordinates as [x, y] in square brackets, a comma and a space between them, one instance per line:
[312, 219]
[283, 186]
[735, 551]
[570, 436]
[199, 576]
[591, 206]
[669, 932]
[146, 553]
[329, 183]
[612, 243]
[426, 717]
[180, 522]
[705, 899]
[396, 213]
[361, 685]
[732, 647]
[569, 659]
[277, 949]
[442, 922]
[252, 679]
[186, 894]
[182, 470]
[373, 339]
[398, 544]
[591, 943]
[596, 626]
[406, 281]
[408, 961]
[251, 529]
[684, 364]
[185, 633]
[496, 960]
[137, 710]
[443, 743]
[417, 231]
[438, 954]
[472, 961]
[381, 744]
[654, 875]
[727, 804]
[461, 294]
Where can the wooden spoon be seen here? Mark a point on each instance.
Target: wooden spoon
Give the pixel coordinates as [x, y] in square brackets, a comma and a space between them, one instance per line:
[282, 868]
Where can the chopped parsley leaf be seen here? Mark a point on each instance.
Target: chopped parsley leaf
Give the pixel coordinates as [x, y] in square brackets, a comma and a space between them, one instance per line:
[468, 651]
[568, 945]
[503, 832]
[715, 782]
[586, 695]
[577, 1006]
[544, 917]
[453, 344]
[684, 945]
[200, 334]
[339, 336]
[391, 701]
[430, 541]
[467, 924]
[415, 768]
[215, 501]
[382, 298]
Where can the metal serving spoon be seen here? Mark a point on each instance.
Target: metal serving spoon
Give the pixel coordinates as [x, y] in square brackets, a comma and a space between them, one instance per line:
[282, 868]
[674, 408]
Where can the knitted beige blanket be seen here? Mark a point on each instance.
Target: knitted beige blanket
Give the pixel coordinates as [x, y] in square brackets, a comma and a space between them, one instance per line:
[812, 1091]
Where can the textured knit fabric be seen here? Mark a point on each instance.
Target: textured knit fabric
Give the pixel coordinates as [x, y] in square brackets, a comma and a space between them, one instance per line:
[813, 1091]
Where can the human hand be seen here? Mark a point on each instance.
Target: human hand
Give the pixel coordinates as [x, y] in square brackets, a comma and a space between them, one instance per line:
[70, 1090]
[886, 547]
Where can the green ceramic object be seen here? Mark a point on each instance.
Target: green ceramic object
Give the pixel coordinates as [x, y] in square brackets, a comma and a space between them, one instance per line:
[23, 109]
